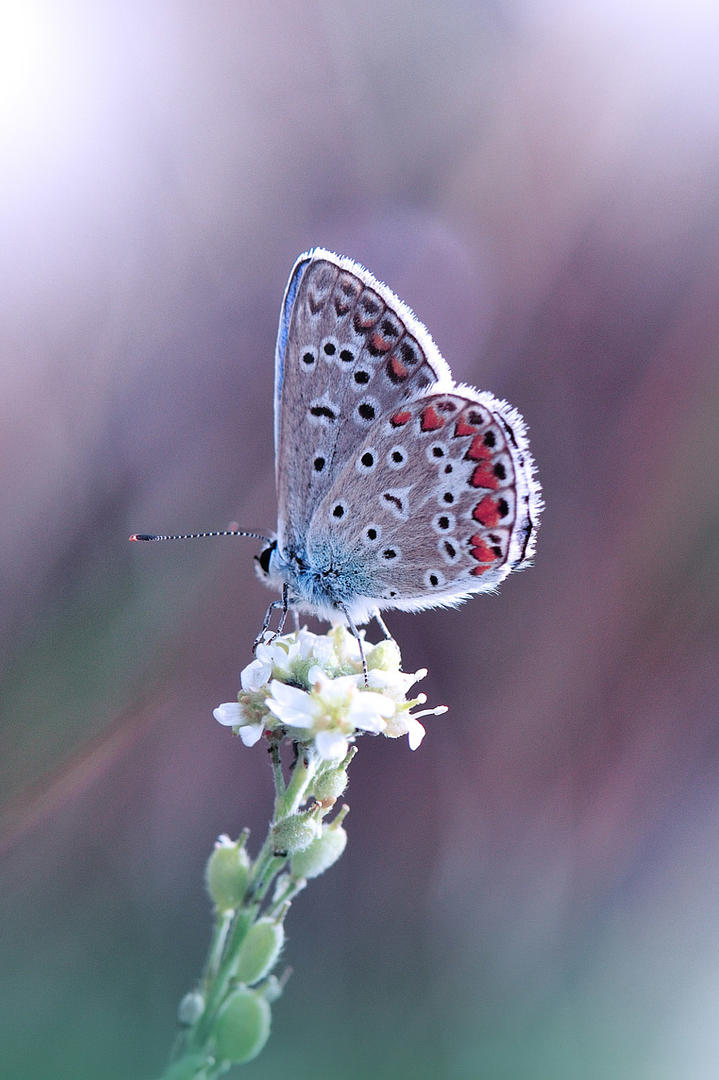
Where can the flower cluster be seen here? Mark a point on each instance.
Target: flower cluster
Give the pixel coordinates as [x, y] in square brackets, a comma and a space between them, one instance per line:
[312, 689]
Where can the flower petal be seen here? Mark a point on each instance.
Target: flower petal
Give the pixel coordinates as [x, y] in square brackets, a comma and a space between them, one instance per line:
[369, 710]
[251, 733]
[331, 745]
[291, 705]
[230, 714]
[256, 675]
[415, 732]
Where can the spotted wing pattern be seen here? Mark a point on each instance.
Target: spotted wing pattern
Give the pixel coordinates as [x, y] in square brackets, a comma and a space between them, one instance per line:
[348, 352]
[438, 501]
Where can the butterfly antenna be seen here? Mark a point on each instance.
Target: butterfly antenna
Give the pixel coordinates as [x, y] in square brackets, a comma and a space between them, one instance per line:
[199, 535]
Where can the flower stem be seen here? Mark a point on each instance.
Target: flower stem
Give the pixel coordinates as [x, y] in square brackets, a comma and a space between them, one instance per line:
[231, 927]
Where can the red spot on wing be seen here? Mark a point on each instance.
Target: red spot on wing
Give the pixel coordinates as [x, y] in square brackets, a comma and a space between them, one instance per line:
[398, 369]
[480, 550]
[431, 420]
[486, 512]
[400, 418]
[463, 428]
[477, 450]
[477, 570]
[483, 477]
[381, 344]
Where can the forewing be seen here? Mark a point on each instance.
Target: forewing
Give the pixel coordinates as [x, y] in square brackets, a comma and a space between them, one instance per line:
[439, 501]
[348, 352]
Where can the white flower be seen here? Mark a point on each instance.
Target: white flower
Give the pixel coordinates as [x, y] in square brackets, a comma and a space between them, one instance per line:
[407, 723]
[331, 712]
[232, 714]
[285, 658]
[258, 673]
[314, 686]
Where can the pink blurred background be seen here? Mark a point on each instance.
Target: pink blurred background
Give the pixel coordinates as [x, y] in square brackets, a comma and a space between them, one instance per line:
[534, 893]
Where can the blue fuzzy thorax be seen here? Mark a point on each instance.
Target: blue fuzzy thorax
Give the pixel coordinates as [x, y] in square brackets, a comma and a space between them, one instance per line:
[325, 578]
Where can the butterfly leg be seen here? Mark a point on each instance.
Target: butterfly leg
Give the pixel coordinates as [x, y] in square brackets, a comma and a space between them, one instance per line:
[382, 625]
[266, 622]
[356, 634]
[284, 604]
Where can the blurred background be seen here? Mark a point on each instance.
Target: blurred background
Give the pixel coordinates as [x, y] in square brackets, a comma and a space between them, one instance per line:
[534, 893]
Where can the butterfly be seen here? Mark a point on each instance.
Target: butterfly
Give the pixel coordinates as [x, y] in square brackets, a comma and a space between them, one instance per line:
[397, 488]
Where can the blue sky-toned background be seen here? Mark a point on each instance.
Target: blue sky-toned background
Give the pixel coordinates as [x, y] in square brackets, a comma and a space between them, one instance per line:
[534, 893]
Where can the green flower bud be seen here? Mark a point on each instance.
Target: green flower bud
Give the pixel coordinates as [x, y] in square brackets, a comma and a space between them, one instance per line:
[295, 833]
[226, 874]
[187, 1068]
[190, 1009]
[385, 656]
[329, 785]
[322, 852]
[242, 1027]
[258, 953]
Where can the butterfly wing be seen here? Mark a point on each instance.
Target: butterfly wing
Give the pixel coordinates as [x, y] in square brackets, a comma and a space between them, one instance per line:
[348, 352]
[438, 501]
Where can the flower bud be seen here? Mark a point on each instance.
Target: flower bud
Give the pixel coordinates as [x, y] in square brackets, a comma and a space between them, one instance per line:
[226, 874]
[258, 953]
[242, 1026]
[322, 852]
[295, 833]
[329, 785]
[190, 1009]
[385, 656]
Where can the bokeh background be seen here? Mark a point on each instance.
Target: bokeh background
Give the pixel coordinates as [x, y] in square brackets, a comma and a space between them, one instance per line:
[534, 893]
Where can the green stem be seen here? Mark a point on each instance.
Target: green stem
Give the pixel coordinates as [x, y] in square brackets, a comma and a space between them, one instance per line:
[277, 767]
[217, 946]
[230, 933]
[294, 793]
[231, 928]
[294, 886]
